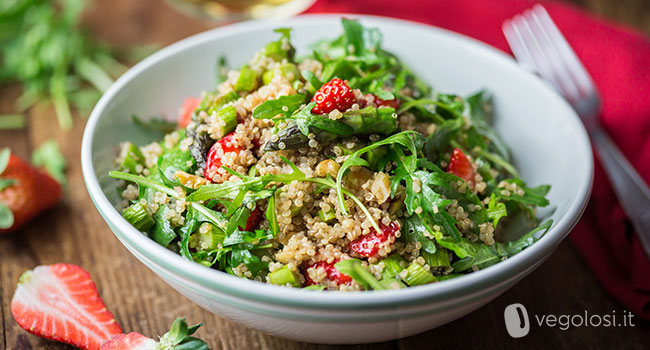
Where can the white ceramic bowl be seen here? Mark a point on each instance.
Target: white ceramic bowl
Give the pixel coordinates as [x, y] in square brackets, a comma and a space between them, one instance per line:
[548, 141]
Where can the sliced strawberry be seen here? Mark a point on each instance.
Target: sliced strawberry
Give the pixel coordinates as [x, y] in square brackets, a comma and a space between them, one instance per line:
[131, 341]
[461, 166]
[178, 337]
[332, 273]
[32, 192]
[60, 302]
[368, 245]
[335, 94]
[189, 105]
[225, 145]
[253, 220]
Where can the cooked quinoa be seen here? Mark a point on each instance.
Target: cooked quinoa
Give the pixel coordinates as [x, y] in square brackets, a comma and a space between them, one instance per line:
[337, 170]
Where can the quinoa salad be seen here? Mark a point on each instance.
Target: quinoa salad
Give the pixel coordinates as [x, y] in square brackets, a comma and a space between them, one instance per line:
[336, 169]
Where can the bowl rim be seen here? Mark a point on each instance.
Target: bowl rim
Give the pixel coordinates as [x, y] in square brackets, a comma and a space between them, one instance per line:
[291, 297]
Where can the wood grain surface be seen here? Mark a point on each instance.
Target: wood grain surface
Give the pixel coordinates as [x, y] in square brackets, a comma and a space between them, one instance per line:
[75, 233]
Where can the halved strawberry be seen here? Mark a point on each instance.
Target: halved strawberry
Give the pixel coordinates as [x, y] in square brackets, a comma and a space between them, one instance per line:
[225, 145]
[29, 192]
[189, 105]
[60, 302]
[178, 337]
[368, 245]
[332, 273]
[335, 94]
[461, 166]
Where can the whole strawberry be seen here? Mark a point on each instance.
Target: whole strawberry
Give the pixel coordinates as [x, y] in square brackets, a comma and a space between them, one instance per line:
[178, 337]
[25, 192]
[335, 94]
[60, 302]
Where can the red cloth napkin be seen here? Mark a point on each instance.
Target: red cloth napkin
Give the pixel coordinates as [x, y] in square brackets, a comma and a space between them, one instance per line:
[619, 62]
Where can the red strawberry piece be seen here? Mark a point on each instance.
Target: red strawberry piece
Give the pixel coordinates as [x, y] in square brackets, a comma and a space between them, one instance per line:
[189, 105]
[60, 302]
[225, 145]
[332, 273]
[368, 245]
[33, 192]
[131, 341]
[335, 94]
[253, 220]
[461, 166]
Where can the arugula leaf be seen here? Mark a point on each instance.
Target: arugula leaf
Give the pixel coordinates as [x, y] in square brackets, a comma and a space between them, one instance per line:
[318, 287]
[271, 216]
[241, 254]
[155, 124]
[514, 247]
[532, 196]
[359, 273]
[480, 115]
[163, 233]
[143, 182]
[406, 139]
[340, 68]
[283, 105]
[496, 210]
[475, 254]
[470, 253]
[314, 82]
[172, 161]
[243, 237]
[305, 120]
[439, 140]
[221, 70]
[413, 230]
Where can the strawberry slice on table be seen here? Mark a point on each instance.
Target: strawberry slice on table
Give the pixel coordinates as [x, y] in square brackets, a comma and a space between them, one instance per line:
[60, 302]
[178, 337]
[225, 145]
[369, 244]
[332, 273]
[335, 94]
[189, 105]
[461, 166]
[25, 192]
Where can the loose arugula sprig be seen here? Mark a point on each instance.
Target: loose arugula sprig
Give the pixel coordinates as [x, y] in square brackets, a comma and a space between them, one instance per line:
[44, 49]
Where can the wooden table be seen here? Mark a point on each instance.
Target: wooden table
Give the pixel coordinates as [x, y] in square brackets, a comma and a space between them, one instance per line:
[75, 233]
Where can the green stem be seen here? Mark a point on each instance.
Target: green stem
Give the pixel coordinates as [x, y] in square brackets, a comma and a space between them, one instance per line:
[12, 121]
[94, 74]
[143, 181]
[60, 100]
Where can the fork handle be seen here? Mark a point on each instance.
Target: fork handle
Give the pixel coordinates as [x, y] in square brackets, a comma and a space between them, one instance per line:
[632, 192]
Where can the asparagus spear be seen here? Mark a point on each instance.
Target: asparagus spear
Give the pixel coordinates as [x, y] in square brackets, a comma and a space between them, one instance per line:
[366, 121]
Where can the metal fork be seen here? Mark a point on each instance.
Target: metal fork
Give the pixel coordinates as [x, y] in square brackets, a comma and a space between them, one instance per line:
[538, 45]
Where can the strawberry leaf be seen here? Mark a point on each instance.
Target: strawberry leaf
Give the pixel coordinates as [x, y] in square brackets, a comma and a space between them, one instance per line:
[5, 153]
[4, 183]
[6, 217]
